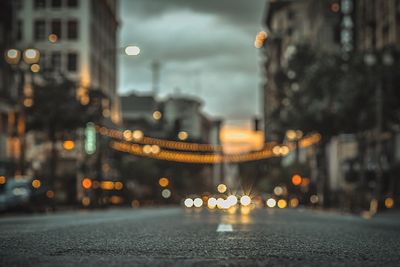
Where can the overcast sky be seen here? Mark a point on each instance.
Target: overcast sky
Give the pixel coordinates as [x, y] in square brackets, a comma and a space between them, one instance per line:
[205, 47]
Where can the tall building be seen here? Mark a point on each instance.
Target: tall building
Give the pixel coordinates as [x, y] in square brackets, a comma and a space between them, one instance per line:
[378, 24]
[10, 145]
[290, 23]
[76, 39]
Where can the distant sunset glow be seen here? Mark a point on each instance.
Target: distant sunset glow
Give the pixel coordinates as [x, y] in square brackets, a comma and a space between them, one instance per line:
[237, 139]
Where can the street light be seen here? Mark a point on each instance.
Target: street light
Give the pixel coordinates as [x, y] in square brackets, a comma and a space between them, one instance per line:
[370, 59]
[132, 50]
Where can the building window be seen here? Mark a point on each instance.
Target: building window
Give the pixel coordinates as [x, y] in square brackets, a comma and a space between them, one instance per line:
[39, 4]
[19, 30]
[72, 62]
[72, 3]
[56, 3]
[56, 61]
[40, 30]
[56, 28]
[72, 30]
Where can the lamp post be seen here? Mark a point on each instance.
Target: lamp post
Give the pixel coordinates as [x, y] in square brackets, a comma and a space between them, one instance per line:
[21, 61]
[371, 60]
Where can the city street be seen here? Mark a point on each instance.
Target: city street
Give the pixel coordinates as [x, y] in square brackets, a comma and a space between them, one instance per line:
[195, 237]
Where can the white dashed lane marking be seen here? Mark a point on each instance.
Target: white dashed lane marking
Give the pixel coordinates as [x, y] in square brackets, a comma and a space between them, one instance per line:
[224, 228]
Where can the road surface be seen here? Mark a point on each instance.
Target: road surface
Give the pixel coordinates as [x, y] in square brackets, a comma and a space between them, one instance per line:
[183, 237]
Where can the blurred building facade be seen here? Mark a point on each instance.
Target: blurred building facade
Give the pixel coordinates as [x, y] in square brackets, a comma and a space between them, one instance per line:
[174, 118]
[344, 28]
[10, 134]
[77, 41]
[290, 23]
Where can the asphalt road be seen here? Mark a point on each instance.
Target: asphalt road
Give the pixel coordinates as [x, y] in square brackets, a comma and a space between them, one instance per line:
[179, 237]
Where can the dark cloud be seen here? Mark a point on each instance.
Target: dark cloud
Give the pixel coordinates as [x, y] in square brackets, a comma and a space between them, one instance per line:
[205, 49]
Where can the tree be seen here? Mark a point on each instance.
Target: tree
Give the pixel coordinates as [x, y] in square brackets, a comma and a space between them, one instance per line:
[55, 110]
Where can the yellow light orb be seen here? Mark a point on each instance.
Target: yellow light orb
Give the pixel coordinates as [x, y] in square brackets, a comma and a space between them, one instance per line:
[282, 203]
[35, 68]
[36, 183]
[3, 180]
[155, 149]
[53, 38]
[147, 149]
[221, 188]
[28, 102]
[137, 134]
[182, 135]
[157, 115]
[276, 150]
[291, 134]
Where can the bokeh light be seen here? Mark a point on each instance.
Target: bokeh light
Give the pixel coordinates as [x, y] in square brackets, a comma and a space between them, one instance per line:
[245, 200]
[188, 203]
[221, 188]
[282, 203]
[271, 203]
[163, 182]
[198, 202]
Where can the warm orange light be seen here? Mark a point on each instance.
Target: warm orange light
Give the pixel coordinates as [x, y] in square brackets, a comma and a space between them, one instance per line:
[3, 179]
[28, 102]
[389, 203]
[50, 194]
[221, 188]
[282, 203]
[116, 200]
[335, 7]
[13, 56]
[31, 56]
[294, 202]
[87, 183]
[163, 182]
[291, 134]
[296, 179]
[68, 144]
[157, 115]
[305, 182]
[85, 201]
[118, 185]
[107, 185]
[36, 183]
[53, 38]
[183, 135]
[35, 68]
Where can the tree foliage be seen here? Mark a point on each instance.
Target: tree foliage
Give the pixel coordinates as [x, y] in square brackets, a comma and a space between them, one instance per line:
[325, 93]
